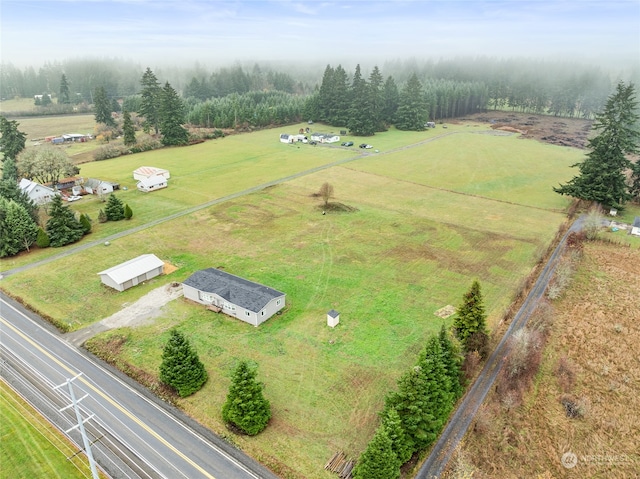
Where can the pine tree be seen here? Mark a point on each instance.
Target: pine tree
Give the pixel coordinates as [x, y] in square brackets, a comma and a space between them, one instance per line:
[602, 174]
[245, 407]
[12, 140]
[127, 129]
[181, 367]
[62, 227]
[470, 316]
[102, 218]
[399, 442]
[85, 221]
[42, 240]
[378, 461]
[376, 92]
[128, 212]
[634, 189]
[18, 231]
[172, 118]
[150, 104]
[360, 120]
[452, 362]
[9, 189]
[412, 108]
[114, 211]
[64, 97]
[102, 107]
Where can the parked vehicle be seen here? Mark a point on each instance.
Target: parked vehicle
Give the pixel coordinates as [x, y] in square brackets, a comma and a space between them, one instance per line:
[348, 143]
[366, 146]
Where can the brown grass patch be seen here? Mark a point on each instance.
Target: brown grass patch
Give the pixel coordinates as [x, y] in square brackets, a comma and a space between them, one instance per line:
[585, 397]
[169, 268]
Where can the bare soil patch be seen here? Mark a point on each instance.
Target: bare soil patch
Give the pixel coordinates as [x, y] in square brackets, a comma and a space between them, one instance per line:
[572, 132]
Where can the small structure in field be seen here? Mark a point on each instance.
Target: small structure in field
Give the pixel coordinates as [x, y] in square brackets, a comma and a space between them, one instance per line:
[333, 318]
[613, 212]
[152, 183]
[635, 227]
[36, 192]
[325, 137]
[250, 302]
[149, 171]
[94, 186]
[132, 272]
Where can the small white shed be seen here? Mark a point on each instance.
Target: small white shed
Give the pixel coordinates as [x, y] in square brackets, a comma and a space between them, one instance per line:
[333, 318]
[152, 183]
[635, 227]
[132, 272]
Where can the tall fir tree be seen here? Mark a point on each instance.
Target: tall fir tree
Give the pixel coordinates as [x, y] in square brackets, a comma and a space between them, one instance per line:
[602, 174]
[172, 118]
[399, 441]
[470, 317]
[64, 95]
[62, 226]
[325, 95]
[181, 367]
[12, 140]
[246, 407]
[102, 107]
[114, 210]
[360, 120]
[452, 362]
[634, 188]
[391, 98]
[10, 190]
[378, 461]
[376, 98]
[18, 231]
[151, 98]
[412, 113]
[127, 129]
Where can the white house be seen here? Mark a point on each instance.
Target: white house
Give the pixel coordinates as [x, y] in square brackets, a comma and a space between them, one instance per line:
[635, 227]
[286, 138]
[152, 183]
[148, 171]
[38, 193]
[250, 302]
[325, 137]
[97, 187]
[132, 272]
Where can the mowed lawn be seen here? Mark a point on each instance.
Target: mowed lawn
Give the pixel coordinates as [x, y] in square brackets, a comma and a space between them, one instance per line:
[414, 244]
[31, 447]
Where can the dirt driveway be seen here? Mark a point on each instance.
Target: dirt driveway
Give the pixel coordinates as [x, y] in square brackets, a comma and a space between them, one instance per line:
[141, 312]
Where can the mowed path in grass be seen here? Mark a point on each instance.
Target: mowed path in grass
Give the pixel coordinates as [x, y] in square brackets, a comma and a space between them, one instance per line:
[415, 243]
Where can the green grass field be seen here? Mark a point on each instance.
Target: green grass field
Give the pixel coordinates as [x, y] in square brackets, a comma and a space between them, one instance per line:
[31, 447]
[427, 221]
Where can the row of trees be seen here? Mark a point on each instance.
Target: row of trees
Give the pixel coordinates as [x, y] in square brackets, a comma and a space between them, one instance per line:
[245, 408]
[414, 415]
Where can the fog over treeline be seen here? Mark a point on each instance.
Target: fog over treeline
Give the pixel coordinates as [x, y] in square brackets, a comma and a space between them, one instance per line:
[530, 85]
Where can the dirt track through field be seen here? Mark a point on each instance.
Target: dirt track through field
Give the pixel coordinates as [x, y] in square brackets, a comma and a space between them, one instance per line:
[459, 422]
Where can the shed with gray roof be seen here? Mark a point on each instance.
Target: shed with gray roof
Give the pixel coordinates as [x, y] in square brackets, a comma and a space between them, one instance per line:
[132, 272]
[250, 302]
[635, 227]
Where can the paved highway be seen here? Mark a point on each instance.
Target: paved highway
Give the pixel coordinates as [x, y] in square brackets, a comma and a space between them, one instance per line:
[135, 437]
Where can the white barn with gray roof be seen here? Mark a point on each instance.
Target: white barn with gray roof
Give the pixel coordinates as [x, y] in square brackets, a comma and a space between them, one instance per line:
[250, 302]
[132, 272]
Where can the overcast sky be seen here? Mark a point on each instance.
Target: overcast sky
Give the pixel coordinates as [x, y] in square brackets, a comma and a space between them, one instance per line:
[216, 32]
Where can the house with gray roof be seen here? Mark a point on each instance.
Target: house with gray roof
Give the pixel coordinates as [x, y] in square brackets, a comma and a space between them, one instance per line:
[250, 302]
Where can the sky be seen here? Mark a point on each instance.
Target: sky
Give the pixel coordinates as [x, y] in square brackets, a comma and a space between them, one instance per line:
[218, 32]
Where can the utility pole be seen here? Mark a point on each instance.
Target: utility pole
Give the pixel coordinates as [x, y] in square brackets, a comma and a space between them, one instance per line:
[74, 404]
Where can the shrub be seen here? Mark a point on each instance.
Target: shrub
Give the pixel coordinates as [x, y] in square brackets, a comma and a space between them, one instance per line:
[42, 240]
[109, 151]
[128, 213]
[114, 210]
[102, 217]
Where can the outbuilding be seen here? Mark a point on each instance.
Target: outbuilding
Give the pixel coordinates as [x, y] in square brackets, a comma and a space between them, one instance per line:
[635, 227]
[250, 302]
[149, 171]
[152, 183]
[132, 272]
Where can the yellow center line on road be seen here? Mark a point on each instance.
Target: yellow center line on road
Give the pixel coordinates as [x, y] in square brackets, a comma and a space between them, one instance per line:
[107, 398]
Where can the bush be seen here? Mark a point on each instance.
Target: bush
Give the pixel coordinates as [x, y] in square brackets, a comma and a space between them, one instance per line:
[128, 212]
[109, 151]
[102, 217]
[42, 240]
[114, 210]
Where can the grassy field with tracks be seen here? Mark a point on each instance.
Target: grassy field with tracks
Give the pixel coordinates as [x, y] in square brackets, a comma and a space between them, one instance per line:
[428, 214]
[31, 447]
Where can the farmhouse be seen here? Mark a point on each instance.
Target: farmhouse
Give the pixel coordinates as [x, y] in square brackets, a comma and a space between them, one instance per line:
[635, 227]
[152, 183]
[148, 171]
[38, 193]
[250, 302]
[286, 138]
[325, 137]
[94, 186]
[132, 272]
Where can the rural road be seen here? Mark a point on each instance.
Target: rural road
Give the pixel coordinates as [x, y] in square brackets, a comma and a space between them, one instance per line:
[459, 422]
[136, 435]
